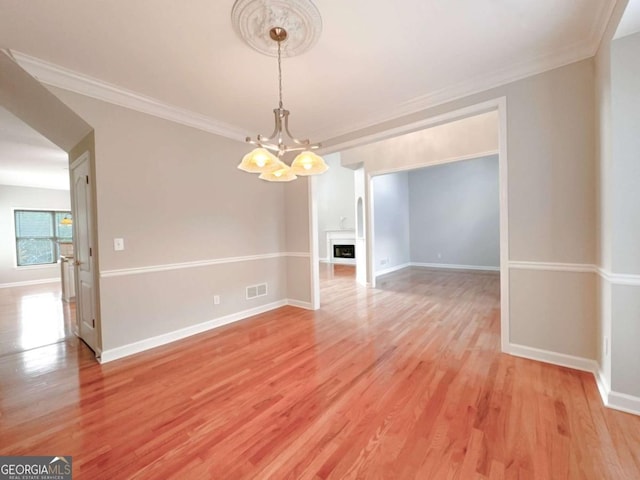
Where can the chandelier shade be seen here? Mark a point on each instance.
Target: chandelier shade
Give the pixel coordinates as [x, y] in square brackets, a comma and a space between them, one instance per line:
[259, 160]
[308, 163]
[282, 174]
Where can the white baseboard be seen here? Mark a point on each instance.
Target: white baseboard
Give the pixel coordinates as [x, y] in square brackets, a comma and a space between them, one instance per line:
[149, 343]
[623, 402]
[560, 359]
[30, 282]
[614, 400]
[451, 266]
[386, 271]
[299, 304]
[603, 385]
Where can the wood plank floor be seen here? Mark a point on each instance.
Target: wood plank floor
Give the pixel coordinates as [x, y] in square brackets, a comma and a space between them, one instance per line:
[33, 316]
[402, 381]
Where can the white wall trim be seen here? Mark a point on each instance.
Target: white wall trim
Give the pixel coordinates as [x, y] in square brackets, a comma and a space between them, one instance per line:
[554, 358]
[30, 282]
[615, 400]
[623, 402]
[295, 254]
[395, 268]
[66, 79]
[112, 354]
[554, 266]
[613, 278]
[314, 266]
[199, 263]
[503, 181]
[299, 304]
[619, 278]
[451, 266]
[603, 385]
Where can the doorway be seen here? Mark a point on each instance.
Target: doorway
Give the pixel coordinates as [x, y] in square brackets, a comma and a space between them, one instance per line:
[370, 166]
[30, 102]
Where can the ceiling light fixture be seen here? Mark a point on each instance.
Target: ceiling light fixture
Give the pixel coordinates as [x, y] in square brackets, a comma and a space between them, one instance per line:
[268, 158]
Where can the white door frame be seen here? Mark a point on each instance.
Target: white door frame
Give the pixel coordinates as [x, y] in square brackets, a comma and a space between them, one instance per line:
[497, 104]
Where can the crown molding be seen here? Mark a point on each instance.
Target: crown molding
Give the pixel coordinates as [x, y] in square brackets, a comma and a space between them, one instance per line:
[473, 85]
[56, 76]
[64, 78]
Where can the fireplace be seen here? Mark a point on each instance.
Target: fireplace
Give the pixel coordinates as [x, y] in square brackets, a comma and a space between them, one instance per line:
[344, 251]
[341, 247]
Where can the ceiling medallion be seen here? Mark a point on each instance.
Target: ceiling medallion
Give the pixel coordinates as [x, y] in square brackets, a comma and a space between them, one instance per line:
[254, 19]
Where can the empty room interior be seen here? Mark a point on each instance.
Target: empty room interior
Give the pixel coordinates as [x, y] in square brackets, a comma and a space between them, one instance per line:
[320, 240]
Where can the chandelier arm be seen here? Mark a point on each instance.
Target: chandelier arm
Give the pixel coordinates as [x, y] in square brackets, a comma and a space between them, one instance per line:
[305, 142]
[269, 146]
[277, 130]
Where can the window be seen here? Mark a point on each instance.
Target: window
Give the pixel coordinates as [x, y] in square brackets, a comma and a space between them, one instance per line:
[37, 235]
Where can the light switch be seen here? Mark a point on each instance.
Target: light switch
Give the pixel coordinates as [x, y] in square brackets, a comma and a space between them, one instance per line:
[118, 244]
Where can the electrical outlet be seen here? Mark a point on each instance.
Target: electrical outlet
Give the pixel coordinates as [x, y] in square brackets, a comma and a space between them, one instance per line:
[118, 244]
[216, 299]
[384, 261]
[439, 255]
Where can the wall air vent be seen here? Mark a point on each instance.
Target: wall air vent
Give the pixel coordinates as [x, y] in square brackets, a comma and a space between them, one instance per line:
[254, 291]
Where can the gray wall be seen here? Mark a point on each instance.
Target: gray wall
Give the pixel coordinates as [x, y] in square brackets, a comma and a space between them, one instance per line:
[455, 213]
[175, 195]
[335, 199]
[12, 197]
[391, 220]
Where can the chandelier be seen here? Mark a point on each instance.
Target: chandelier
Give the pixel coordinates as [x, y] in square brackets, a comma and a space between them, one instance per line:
[268, 158]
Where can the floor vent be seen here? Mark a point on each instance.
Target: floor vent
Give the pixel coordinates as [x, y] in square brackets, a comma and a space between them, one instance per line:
[256, 291]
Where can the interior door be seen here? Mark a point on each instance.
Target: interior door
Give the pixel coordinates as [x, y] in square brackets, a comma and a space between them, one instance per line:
[83, 250]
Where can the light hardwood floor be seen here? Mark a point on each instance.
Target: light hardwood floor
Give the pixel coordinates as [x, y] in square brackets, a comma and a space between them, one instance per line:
[33, 316]
[402, 381]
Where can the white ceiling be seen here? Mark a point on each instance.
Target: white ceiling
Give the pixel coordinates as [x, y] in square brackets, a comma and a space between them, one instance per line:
[29, 159]
[375, 60]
